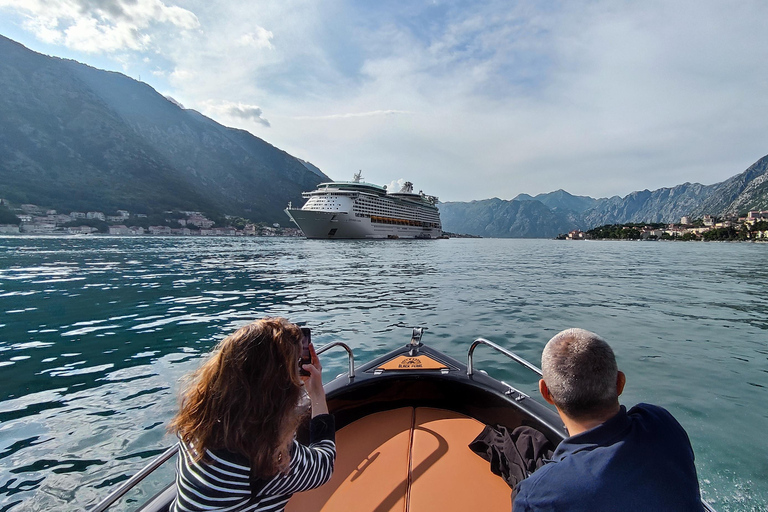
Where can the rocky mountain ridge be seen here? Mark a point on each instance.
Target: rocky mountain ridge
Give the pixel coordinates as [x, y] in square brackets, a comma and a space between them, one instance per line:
[564, 212]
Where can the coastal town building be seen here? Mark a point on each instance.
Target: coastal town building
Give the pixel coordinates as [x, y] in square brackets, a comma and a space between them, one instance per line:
[95, 215]
[9, 229]
[32, 209]
[199, 221]
[160, 230]
[576, 234]
[37, 228]
[120, 229]
[81, 230]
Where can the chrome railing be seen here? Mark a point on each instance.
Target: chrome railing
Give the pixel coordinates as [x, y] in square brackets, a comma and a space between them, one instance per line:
[509, 354]
[350, 355]
[135, 479]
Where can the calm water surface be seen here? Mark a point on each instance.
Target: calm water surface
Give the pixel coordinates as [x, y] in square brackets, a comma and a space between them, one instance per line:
[96, 332]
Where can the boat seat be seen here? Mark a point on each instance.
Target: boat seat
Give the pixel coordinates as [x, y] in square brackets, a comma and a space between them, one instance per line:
[407, 460]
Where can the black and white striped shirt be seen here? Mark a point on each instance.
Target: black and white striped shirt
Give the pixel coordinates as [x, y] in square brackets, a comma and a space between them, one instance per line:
[221, 481]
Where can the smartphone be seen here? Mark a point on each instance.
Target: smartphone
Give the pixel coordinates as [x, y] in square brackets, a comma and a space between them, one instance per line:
[306, 357]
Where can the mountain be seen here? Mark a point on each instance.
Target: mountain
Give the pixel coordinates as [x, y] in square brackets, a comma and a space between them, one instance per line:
[505, 219]
[746, 191]
[561, 200]
[73, 137]
[743, 192]
[560, 212]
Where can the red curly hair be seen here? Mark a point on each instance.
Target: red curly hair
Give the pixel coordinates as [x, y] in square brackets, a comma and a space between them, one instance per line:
[244, 398]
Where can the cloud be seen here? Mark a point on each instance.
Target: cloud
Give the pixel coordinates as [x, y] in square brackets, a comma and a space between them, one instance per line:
[373, 113]
[597, 98]
[259, 38]
[237, 111]
[101, 26]
[174, 101]
[395, 185]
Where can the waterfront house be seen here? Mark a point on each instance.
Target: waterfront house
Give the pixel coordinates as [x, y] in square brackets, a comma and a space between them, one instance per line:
[119, 229]
[81, 230]
[31, 209]
[40, 228]
[160, 230]
[9, 229]
[576, 234]
[200, 221]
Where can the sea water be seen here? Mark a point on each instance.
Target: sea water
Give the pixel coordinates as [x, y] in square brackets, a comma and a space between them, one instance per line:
[95, 333]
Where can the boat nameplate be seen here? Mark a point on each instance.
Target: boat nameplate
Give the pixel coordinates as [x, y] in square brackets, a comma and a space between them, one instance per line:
[418, 362]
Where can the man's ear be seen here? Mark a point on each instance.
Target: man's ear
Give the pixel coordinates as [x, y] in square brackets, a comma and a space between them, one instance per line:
[621, 379]
[544, 390]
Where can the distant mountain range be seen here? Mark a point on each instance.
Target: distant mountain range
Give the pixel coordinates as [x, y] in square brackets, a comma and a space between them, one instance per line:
[547, 215]
[77, 138]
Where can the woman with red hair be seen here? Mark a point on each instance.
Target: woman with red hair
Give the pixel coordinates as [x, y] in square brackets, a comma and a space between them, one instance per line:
[238, 419]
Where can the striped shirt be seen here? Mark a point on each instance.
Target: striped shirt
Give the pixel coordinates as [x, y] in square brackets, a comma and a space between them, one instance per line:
[221, 480]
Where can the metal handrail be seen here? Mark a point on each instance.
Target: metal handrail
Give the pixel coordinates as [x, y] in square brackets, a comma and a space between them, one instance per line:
[351, 356]
[135, 479]
[509, 354]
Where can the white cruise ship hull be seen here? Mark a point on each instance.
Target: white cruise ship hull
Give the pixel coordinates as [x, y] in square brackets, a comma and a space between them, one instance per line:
[342, 225]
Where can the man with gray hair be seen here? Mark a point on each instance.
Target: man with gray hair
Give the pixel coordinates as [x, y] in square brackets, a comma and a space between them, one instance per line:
[613, 459]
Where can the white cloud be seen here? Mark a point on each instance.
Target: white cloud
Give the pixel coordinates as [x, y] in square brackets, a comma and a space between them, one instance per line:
[100, 26]
[396, 185]
[373, 113]
[236, 111]
[259, 38]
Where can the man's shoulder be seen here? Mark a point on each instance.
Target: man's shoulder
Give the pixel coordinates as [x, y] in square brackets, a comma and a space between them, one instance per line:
[650, 412]
[529, 488]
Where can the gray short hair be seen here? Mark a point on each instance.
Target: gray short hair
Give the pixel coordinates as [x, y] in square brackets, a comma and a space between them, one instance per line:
[579, 368]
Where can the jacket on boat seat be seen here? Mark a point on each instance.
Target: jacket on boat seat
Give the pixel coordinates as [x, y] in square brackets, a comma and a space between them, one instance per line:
[513, 455]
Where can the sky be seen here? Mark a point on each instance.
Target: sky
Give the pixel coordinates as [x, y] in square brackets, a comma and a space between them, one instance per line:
[466, 99]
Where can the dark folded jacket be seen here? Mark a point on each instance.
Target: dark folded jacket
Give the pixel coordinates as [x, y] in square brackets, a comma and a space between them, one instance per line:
[513, 456]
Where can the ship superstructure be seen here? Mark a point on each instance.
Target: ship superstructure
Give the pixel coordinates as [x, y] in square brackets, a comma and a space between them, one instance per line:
[355, 209]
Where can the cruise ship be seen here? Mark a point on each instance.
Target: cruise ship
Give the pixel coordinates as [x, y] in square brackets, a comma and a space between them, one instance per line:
[355, 209]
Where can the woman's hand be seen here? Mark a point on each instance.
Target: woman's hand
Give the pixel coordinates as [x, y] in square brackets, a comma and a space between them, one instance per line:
[314, 384]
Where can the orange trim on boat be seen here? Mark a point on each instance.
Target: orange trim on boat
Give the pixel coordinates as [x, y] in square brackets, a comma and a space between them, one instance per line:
[420, 362]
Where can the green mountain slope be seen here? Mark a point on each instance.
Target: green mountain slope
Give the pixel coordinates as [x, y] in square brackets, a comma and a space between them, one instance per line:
[77, 138]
